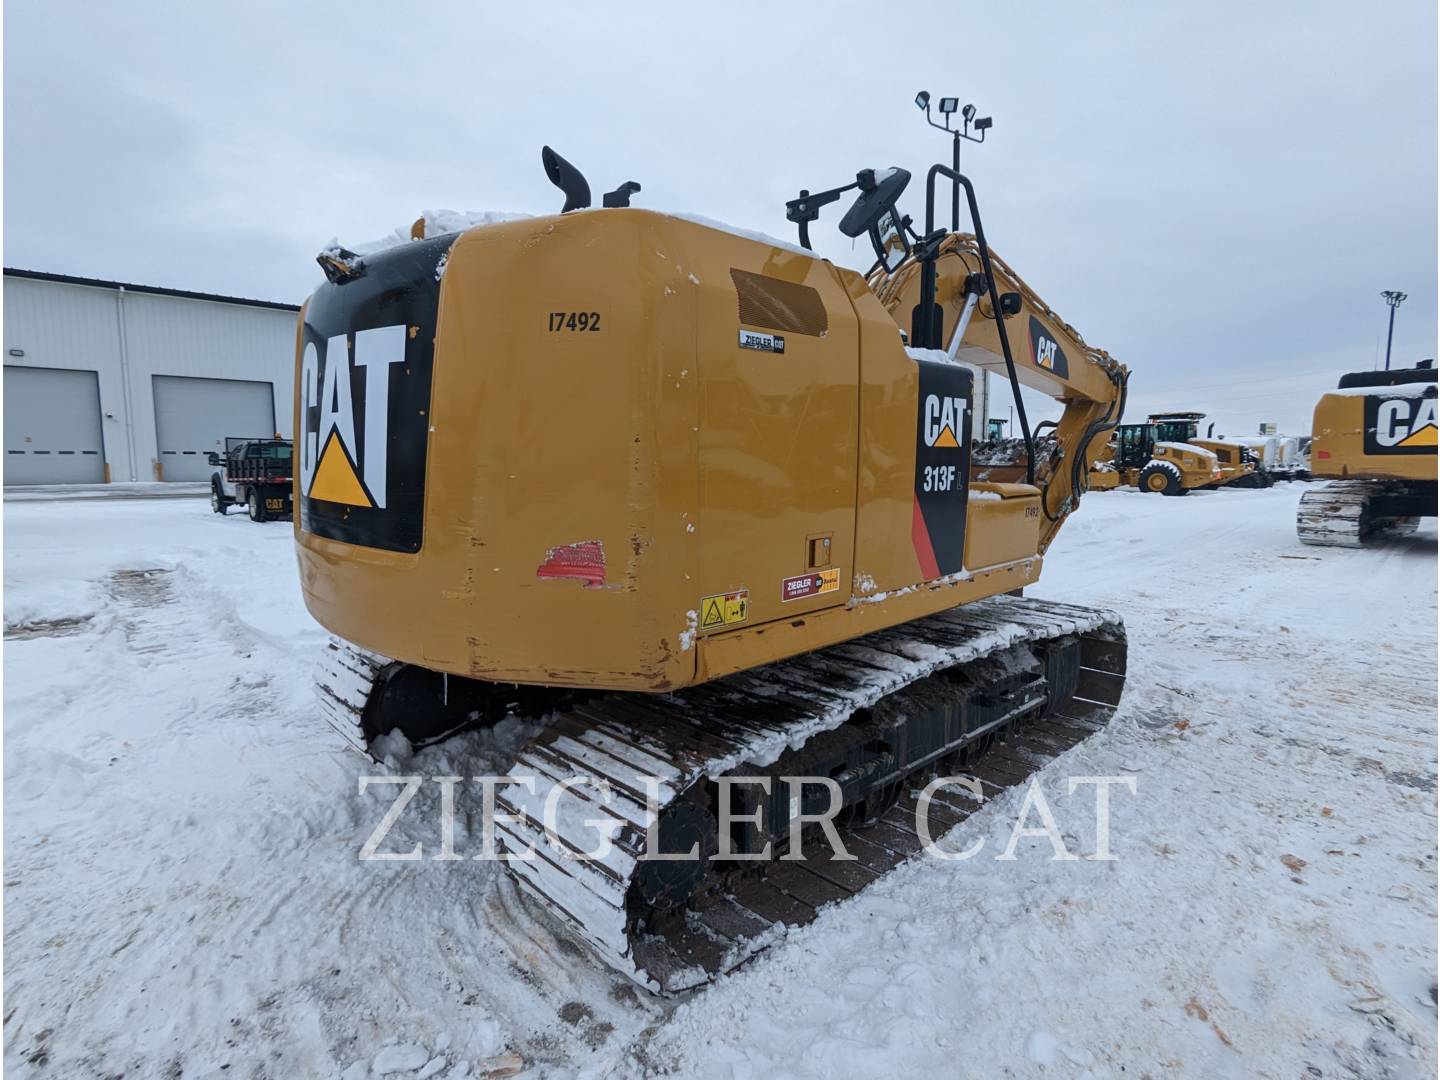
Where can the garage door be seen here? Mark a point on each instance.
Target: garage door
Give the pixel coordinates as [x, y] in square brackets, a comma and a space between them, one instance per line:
[193, 416]
[52, 426]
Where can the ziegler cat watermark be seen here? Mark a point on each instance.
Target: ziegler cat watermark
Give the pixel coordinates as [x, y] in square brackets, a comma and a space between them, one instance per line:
[513, 825]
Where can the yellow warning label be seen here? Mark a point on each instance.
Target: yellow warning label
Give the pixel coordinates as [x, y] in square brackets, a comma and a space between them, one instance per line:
[724, 609]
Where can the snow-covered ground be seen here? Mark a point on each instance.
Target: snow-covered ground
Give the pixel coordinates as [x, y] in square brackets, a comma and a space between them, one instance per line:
[183, 895]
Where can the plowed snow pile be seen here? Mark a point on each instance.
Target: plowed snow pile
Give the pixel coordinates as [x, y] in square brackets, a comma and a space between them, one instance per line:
[184, 894]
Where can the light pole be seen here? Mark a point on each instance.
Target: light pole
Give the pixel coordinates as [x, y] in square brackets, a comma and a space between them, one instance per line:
[949, 106]
[1394, 299]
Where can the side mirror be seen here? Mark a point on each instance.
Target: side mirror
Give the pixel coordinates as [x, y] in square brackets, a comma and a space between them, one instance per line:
[878, 194]
[874, 212]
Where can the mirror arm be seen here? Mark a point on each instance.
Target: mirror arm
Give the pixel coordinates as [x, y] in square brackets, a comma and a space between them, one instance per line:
[806, 209]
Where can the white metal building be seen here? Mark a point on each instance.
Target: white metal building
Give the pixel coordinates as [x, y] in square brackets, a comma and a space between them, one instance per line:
[106, 381]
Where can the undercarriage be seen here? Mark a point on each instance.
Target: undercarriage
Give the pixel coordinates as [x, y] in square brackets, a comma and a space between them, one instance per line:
[1353, 513]
[991, 691]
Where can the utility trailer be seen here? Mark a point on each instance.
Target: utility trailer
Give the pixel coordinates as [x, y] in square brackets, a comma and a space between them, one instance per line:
[254, 473]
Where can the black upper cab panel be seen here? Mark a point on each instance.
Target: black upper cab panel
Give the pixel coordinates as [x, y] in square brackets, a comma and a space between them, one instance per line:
[1393, 377]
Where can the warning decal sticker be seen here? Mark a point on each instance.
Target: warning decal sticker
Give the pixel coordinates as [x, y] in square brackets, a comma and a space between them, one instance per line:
[812, 584]
[724, 609]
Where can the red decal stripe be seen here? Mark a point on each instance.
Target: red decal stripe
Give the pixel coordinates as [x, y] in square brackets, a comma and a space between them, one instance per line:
[920, 538]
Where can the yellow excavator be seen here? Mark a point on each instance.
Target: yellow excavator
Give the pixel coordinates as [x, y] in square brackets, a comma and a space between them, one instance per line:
[1374, 438]
[688, 495]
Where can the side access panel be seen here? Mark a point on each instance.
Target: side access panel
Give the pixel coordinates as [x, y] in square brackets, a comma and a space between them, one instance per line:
[778, 352]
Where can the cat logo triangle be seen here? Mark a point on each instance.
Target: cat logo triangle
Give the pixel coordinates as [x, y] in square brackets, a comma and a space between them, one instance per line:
[946, 437]
[1424, 437]
[335, 480]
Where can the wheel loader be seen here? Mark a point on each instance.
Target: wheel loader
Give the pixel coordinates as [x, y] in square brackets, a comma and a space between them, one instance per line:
[1238, 466]
[687, 495]
[1140, 456]
[1374, 438]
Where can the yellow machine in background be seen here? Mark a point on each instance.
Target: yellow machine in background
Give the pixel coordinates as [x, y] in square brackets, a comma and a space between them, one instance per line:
[1237, 464]
[1139, 457]
[1104, 475]
[687, 493]
[1374, 437]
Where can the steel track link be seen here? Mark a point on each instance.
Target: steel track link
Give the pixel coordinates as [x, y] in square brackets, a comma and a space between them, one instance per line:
[685, 738]
[611, 742]
[1339, 515]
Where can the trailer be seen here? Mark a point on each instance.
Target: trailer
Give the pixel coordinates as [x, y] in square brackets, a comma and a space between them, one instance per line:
[255, 474]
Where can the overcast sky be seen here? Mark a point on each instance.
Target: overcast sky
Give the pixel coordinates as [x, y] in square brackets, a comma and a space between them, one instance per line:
[1217, 194]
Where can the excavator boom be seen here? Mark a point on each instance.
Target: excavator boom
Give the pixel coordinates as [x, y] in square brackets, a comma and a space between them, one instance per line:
[1047, 354]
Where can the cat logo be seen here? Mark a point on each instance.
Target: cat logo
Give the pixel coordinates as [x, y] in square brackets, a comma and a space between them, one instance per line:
[1400, 425]
[346, 420]
[362, 399]
[944, 419]
[1046, 350]
[942, 468]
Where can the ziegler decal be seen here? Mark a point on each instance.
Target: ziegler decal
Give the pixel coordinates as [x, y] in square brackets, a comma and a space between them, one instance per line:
[811, 584]
[363, 401]
[1046, 350]
[1400, 425]
[754, 339]
[942, 468]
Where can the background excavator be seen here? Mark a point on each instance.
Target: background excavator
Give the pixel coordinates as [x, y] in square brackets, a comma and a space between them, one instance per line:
[1374, 437]
[687, 495]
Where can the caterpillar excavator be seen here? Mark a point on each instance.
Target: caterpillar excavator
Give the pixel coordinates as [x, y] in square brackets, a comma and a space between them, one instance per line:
[687, 496]
[1374, 438]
